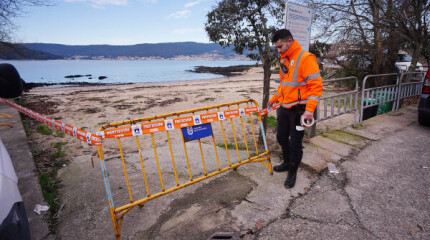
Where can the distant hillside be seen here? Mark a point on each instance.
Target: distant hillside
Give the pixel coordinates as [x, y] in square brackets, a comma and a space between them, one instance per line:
[19, 52]
[146, 50]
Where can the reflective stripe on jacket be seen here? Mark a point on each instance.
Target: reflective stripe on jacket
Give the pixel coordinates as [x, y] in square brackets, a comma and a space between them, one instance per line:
[302, 83]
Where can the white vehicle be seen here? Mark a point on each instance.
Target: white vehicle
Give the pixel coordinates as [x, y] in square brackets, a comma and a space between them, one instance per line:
[403, 62]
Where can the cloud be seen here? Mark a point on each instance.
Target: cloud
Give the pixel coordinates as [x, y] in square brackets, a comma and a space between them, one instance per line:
[183, 31]
[190, 4]
[101, 3]
[148, 1]
[179, 14]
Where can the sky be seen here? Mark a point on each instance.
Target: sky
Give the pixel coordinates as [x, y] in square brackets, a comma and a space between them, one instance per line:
[114, 22]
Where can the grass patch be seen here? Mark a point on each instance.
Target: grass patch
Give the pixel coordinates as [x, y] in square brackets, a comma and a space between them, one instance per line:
[59, 153]
[138, 96]
[26, 128]
[43, 129]
[59, 134]
[240, 146]
[20, 103]
[271, 121]
[50, 193]
[60, 163]
[229, 145]
[358, 126]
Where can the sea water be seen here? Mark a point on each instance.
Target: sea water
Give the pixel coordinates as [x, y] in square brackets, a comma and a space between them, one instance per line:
[116, 71]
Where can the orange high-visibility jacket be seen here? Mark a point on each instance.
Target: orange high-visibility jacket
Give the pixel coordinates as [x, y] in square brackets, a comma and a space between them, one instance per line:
[302, 83]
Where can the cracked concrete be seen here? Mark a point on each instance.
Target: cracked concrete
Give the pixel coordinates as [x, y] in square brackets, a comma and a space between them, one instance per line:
[380, 193]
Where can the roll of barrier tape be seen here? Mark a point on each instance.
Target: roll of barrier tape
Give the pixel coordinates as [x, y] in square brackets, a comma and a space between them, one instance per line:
[306, 122]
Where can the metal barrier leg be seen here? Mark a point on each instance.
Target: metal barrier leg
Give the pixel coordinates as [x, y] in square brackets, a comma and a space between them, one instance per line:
[186, 156]
[253, 131]
[234, 137]
[158, 164]
[143, 167]
[244, 134]
[105, 175]
[225, 143]
[125, 170]
[173, 160]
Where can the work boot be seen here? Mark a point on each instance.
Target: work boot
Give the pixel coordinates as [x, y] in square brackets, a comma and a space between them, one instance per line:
[291, 178]
[281, 168]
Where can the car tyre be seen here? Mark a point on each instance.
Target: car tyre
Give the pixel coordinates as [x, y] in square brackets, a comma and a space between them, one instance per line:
[422, 120]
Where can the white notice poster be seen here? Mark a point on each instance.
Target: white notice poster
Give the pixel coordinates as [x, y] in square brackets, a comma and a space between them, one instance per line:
[298, 19]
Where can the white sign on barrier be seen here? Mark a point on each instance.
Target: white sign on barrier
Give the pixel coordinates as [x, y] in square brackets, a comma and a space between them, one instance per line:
[298, 19]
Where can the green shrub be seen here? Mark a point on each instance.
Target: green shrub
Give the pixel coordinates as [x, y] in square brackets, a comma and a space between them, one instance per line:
[271, 121]
[43, 129]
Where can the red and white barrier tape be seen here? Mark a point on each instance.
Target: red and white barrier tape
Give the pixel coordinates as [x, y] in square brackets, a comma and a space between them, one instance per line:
[80, 134]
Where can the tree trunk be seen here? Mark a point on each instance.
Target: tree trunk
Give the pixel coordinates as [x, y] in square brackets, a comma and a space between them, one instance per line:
[266, 89]
[415, 55]
[393, 41]
[378, 53]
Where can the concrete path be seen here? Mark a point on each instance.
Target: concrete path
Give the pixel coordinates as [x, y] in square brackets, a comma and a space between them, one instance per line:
[15, 142]
[381, 192]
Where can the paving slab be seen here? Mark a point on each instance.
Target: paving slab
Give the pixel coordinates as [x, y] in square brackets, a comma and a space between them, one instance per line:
[381, 192]
[333, 146]
[347, 138]
[380, 126]
[317, 158]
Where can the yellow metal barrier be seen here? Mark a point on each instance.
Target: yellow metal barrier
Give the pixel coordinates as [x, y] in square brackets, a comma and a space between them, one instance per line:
[168, 133]
[135, 137]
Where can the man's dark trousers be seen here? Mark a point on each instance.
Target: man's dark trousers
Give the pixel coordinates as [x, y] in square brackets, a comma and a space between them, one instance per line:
[288, 137]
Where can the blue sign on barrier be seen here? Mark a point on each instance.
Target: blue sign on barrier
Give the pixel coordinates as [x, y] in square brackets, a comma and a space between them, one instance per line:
[197, 132]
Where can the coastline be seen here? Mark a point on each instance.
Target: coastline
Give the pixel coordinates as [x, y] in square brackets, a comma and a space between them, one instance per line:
[229, 71]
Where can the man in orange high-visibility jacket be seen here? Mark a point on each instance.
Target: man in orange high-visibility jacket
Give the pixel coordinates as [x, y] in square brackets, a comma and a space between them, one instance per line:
[298, 92]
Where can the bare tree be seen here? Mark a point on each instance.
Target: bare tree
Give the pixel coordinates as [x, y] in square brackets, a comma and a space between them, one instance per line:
[10, 9]
[246, 24]
[373, 27]
[410, 18]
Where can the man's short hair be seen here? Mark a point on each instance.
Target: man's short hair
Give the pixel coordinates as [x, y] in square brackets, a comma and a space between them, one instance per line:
[283, 34]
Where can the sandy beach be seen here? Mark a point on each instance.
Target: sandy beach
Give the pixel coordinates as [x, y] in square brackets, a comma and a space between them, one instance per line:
[91, 107]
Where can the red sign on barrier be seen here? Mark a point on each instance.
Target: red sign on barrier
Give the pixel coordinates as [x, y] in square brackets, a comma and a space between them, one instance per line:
[153, 127]
[119, 132]
[183, 122]
[251, 110]
[231, 113]
[209, 117]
